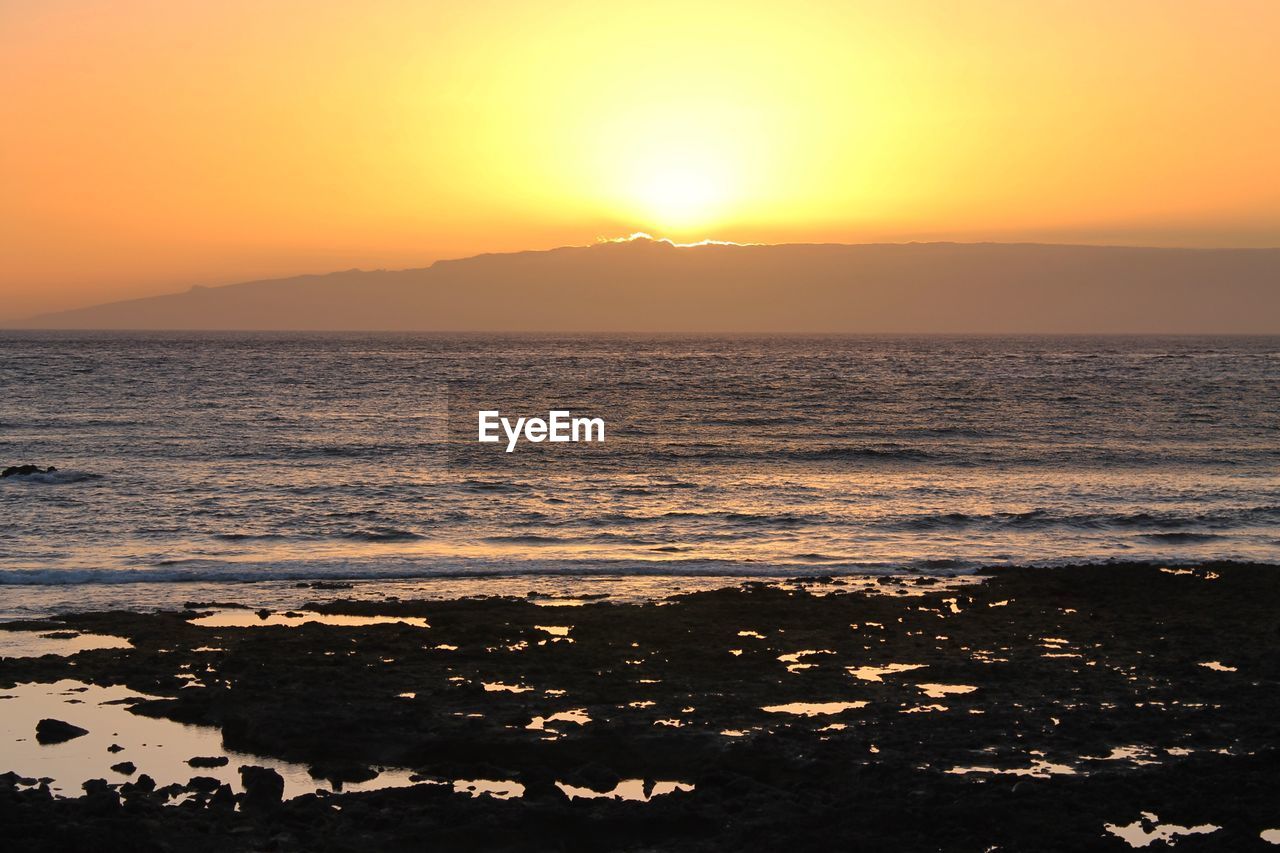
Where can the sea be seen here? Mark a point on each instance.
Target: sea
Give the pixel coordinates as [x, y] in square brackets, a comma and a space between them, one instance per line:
[237, 465]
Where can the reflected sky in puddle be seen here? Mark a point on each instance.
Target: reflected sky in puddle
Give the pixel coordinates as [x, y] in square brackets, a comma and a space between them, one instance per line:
[499, 789]
[632, 790]
[1040, 768]
[877, 673]
[1218, 666]
[577, 716]
[237, 618]
[813, 709]
[1148, 829]
[157, 747]
[34, 644]
[499, 687]
[942, 691]
[794, 660]
[1133, 754]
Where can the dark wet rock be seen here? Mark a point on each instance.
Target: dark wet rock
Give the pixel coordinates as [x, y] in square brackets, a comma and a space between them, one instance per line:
[324, 585]
[114, 748]
[223, 799]
[1125, 669]
[31, 625]
[100, 798]
[126, 768]
[342, 771]
[171, 791]
[202, 784]
[144, 784]
[263, 788]
[25, 470]
[51, 731]
[208, 761]
[264, 613]
[594, 776]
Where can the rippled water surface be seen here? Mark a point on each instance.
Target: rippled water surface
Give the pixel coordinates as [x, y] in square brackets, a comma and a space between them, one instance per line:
[240, 457]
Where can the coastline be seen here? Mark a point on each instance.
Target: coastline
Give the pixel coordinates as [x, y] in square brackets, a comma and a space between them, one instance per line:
[1099, 693]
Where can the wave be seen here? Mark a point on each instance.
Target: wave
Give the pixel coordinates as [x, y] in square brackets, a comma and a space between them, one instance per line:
[381, 569]
[493, 486]
[53, 478]
[380, 534]
[1041, 518]
[852, 453]
[530, 539]
[904, 454]
[1187, 538]
[378, 569]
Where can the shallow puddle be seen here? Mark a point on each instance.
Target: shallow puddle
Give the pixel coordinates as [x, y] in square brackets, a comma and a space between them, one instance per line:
[1218, 666]
[499, 687]
[813, 709]
[942, 691]
[237, 618]
[157, 747]
[877, 673]
[632, 790]
[577, 716]
[1148, 829]
[1040, 768]
[1133, 754]
[34, 644]
[499, 789]
[794, 660]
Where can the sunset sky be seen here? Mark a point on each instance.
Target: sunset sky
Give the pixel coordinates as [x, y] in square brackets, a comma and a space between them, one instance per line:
[148, 146]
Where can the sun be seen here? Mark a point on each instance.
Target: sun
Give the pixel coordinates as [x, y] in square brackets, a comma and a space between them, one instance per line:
[684, 167]
[677, 190]
[679, 195]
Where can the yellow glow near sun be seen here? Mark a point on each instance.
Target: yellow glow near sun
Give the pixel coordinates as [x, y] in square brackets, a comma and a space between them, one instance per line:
[673, 164]
[391, 133]
[679, 194]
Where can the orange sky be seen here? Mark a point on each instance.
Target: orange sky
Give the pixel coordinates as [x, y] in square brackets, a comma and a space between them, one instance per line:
[148, 145]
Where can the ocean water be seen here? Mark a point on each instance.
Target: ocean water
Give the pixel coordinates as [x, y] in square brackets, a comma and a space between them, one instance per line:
[252, 457]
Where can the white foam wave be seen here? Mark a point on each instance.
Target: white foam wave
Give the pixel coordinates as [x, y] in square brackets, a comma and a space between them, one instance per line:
[194, 571]
[51, 478]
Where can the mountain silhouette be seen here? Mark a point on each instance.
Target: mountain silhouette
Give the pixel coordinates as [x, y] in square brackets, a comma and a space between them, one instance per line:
[646, 285]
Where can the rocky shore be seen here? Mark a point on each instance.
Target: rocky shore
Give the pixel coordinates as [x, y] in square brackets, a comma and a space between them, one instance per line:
[1089, 707]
